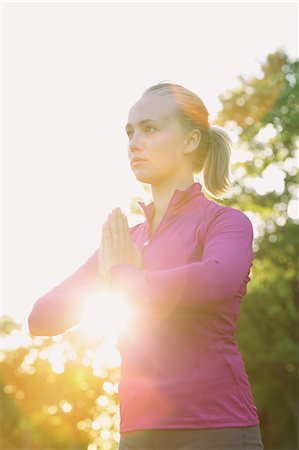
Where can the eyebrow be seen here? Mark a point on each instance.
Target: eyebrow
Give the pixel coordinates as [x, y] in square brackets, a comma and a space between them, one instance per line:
[142, 122]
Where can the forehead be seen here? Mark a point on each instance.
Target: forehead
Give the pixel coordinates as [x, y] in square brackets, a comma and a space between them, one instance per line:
[155, 107]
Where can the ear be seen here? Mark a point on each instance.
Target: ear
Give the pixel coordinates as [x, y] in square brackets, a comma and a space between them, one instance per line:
[192, 141]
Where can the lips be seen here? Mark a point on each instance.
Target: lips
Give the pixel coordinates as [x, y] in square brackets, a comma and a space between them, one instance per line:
[136, 160]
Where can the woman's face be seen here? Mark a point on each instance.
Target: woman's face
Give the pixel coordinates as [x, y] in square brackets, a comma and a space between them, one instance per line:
[157, 138]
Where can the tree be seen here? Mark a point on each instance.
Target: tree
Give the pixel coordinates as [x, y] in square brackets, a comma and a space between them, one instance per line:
[263, 113]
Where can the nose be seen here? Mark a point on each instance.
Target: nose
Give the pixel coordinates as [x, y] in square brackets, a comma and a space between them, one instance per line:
[133, 151]
[136, 142]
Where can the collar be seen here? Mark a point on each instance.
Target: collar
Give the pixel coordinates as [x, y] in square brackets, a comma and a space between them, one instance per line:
[177, 202]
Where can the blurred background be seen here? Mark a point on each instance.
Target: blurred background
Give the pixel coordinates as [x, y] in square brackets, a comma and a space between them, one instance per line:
[70, 72]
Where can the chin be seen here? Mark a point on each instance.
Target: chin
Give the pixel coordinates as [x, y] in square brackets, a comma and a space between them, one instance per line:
[149, 177]
[143, 177]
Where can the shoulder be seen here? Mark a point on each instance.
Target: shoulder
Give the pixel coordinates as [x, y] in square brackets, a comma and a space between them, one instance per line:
[225, 216]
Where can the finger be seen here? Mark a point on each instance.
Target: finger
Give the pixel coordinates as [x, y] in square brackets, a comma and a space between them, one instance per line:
[107, 243]
[106, 232]
[121, 229]
[102, 237]
[114, 230]
[101, 255]
[138, 255]
[128, 235]
[101, 259]
[101, 262]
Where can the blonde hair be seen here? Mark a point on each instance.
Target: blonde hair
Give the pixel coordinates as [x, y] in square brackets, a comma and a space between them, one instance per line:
[212, 156]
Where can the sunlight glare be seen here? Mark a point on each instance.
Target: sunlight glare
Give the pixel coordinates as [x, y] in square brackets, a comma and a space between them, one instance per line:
[106, 315]
[16, 339]
[106, 355]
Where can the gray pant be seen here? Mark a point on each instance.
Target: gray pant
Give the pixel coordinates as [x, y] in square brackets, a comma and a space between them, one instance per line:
[241, 438]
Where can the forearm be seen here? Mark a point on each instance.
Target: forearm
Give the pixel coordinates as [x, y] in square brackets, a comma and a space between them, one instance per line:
[188, 286]
[61, 308]
[50, 317]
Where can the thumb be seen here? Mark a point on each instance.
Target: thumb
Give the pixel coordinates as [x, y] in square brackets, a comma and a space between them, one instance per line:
[138, 255]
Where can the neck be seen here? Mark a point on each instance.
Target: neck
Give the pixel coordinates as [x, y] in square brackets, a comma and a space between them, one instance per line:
[163, 192]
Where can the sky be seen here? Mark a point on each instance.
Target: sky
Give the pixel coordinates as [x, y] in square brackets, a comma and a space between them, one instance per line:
[70, 71]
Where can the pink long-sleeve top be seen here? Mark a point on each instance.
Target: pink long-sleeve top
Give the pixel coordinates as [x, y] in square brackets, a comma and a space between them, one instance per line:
[180, 365]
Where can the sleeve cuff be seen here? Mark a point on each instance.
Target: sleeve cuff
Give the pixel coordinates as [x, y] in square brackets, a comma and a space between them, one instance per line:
[123, 276]
[121, 273]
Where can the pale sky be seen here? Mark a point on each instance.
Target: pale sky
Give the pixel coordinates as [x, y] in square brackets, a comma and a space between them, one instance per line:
[70, 72]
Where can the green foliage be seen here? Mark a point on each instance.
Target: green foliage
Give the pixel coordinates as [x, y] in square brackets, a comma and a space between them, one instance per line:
[8, 324]
[268, 323]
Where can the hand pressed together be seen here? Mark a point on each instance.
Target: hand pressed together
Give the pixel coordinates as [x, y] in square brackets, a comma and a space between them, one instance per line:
[117, 246]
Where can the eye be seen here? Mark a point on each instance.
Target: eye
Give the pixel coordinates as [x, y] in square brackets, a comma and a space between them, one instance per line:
[150, 128]
[129, 133]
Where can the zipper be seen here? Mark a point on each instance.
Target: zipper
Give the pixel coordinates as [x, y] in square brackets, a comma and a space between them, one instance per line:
[149, 240]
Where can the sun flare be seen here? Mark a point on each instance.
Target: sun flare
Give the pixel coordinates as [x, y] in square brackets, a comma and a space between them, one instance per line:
[106, 314]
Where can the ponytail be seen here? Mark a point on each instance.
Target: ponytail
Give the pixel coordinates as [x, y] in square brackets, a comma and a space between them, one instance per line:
[216, 166]
[212, 157]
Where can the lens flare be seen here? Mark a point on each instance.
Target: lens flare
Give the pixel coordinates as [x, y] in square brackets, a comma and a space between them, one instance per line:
[106, 314]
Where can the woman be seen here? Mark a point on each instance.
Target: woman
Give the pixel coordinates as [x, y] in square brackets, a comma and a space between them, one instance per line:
[183, 383]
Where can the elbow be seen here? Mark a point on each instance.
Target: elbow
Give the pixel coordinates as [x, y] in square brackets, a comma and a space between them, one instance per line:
[47, 317]
[41, 326]
[221, 287]
[221, 292]
[228, 284]
[217, 293]
[33, 324]
[35, 329]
